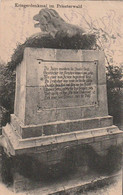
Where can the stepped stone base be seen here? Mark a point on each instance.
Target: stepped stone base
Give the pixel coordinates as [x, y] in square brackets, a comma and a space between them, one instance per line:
[51, 147]
[59, 127]
[59, 152]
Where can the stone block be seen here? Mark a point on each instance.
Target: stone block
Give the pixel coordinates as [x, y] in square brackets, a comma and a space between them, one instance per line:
[101, 68]
[76, 126]
[65, 145]
[85, 141]
[100, 138]
[73, 113]
[84, 137]
[102, 100]
[69, 102]
[61, 115]
[36, 106]
[32, 132]
[90, 124]
[63, 128]
[20, 92]
[65, 137]
[59, 126]
[40, 116]
[49, 129]
[16, 124]
[100, 134]
[46, 148]
[68, 114]
[88, 112]
[107, 121]
[112, 130]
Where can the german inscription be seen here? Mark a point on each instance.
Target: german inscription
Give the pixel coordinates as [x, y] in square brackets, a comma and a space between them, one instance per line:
[68, 80]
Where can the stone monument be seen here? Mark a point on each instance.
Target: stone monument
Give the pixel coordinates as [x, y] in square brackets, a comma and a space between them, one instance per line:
[60, 104]
[60, 98]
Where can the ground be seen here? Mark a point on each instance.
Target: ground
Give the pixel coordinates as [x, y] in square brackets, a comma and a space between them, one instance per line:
[114, 188]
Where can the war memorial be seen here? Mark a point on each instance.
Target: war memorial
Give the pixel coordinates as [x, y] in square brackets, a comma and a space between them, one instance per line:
[60, 122]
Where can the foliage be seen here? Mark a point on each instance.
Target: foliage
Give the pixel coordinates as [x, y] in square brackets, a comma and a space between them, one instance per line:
[7, 91]
[105, 41]
[61, 41]
[115, 92]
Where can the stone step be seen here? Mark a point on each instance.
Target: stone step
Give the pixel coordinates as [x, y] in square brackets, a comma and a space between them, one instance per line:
[60, 126]
[29, 145]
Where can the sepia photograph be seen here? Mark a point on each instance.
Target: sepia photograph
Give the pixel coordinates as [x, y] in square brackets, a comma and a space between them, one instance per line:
[61, 97]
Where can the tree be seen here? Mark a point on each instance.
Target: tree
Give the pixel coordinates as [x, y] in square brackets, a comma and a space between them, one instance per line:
[115, 92]
[7, 91]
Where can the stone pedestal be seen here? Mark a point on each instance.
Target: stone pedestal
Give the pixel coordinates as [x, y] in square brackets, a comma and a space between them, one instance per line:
[60, 105]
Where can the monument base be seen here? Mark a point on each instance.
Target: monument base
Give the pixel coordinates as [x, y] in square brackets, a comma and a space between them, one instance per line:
[51, 147]
[58, 127]
[60, 155]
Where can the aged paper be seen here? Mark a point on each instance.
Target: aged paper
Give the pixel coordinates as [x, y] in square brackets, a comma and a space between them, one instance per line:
[105, 18]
